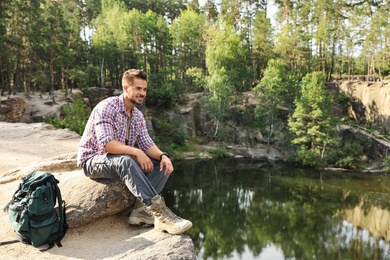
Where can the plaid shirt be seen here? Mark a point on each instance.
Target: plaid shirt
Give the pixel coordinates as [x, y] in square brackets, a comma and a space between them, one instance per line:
[107, 122]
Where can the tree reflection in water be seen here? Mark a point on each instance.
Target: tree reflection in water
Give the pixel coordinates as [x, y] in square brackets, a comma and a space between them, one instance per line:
[242, 208]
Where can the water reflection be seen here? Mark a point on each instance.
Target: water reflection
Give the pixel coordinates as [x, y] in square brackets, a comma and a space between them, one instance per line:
[251, 210]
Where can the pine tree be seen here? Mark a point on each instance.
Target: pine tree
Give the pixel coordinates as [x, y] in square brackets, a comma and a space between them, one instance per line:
[312, 124]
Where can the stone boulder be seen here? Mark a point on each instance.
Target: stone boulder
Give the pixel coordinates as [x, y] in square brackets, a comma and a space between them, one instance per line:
[94, 95]
[12, 109]
[88, 200]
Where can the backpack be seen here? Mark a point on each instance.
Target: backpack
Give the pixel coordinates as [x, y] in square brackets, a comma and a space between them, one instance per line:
[32, 211]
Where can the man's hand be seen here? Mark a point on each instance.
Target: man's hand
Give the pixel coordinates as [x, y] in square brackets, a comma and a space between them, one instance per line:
[166, 162]
[144, 161]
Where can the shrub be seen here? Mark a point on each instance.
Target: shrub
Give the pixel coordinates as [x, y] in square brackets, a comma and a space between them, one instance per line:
[73, 116]
[163, 96]
[349, 156]
[170, 133]
[386, 164]
[343, 99]
[218, 152]
[347, 162]
[308, 157]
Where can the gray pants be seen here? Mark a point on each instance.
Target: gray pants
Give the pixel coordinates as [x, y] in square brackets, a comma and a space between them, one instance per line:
[112, 166]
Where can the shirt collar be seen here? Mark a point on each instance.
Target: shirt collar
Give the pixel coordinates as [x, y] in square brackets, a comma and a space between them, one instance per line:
[122, 107]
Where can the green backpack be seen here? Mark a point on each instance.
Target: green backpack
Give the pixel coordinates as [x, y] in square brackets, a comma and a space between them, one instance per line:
[32, 211]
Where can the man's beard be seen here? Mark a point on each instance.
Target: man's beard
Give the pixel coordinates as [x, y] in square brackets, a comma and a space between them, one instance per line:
[135, 102]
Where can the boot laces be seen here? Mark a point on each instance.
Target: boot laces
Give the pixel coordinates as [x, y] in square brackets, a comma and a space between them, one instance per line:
[147, 210]
[170, 215]
[163, 212]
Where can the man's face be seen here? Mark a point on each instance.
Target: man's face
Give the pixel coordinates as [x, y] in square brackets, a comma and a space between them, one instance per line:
[136, 92]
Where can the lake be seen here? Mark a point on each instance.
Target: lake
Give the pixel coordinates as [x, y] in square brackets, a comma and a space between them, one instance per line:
[245, 209]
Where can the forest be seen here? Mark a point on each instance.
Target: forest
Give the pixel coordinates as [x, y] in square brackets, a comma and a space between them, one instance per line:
[220, 47]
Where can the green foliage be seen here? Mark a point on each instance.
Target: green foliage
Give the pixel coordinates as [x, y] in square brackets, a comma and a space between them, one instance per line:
[170, 134]
[187, 33]
[180, 136]
[225, 63]
[89, 43]
[221, 90]
[311, 123]
[198, 78]
[347, 162]
[343, 99]
[276, 88]
[163, 95]
[218, 152]
[276, 91]
[263, 39]
[350, 152]
[213, 108]
[244, 116]
[308, 157]
[386, 164]
[225, 134]
[354, 148]
[73, 116]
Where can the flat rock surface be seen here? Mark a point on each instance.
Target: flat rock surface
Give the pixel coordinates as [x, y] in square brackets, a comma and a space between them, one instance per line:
[22, 144]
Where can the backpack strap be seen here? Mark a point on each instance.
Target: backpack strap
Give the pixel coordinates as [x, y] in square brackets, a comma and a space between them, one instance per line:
[61, 212]
[6, 206]
[51, 244]
[13, 197]
[62, 215]
[8, 242]
[6, 210]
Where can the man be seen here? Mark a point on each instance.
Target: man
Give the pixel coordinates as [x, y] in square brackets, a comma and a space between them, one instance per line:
[107, 150]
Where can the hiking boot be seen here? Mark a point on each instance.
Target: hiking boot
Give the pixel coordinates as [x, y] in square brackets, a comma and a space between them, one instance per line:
[140, 215]
[165, 219]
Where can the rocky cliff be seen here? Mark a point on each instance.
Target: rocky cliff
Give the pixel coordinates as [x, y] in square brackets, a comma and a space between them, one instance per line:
[371, 102]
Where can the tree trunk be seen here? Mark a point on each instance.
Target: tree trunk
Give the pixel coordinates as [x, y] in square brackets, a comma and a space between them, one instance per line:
[216, 127]
[331, 68]
[65, 80]
[323, 152]
[102, 77]
[51, 68]
[270, 132]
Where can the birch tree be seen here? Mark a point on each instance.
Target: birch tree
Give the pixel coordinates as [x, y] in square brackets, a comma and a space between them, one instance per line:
[276, 92]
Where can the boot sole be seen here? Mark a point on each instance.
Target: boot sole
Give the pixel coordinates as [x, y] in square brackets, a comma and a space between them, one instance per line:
[176, 231]
[141, 224]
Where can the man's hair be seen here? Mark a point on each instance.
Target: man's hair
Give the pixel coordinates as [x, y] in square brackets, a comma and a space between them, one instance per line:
[129, 75]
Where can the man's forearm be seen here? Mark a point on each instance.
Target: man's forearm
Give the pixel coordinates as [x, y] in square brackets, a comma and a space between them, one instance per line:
[154, 152]
[115, 147]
